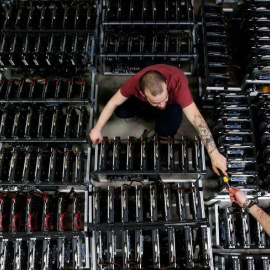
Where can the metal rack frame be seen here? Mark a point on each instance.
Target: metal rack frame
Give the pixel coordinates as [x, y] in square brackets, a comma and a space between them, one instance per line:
[90, 62]
[126, 175]
[252, 137]
[190, 58]
[211, 89]
[144, 226]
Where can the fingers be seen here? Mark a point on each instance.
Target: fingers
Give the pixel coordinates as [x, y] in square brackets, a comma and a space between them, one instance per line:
[233, 190]
[94, 141]
[95, 136]
[232, 197]
[97, 141]
[91, 138]
[220, 164]
[224, 171]
[216, 171]
[215, 168]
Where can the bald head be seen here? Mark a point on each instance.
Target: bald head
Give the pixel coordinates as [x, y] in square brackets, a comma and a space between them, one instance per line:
[153, 82]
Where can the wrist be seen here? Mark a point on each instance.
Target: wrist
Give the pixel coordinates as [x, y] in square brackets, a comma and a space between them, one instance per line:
[248, 204]
[213, 152]
[98, 128]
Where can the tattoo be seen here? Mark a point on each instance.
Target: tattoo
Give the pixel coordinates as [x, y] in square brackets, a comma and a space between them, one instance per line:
[205, 134]
[211, 151]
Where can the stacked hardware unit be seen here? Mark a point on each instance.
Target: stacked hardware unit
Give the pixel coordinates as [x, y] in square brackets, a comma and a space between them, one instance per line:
[239, 241]
[146, 156]
[261, 112]
[252, 48]
[53, 110]
[154, 247]
[32, 210]
[73, 90]
[146, 203]
[216, 53]
[252, 39]
[42, 166]
[234, 134]
[43, 230]
[149, 224]
[44, 123]
[42, 35]
[54, 252]
[135, 35]
[46, 112]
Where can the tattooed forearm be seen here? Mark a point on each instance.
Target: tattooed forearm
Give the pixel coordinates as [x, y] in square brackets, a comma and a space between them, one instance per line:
[204, 133]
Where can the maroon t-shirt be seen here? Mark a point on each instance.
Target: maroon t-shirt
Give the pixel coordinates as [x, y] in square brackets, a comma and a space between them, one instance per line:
[177, 85]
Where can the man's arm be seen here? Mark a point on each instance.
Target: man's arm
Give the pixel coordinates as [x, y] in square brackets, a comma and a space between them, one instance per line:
[261, 216]
[237, 195]
[116, 100]
[196, 119]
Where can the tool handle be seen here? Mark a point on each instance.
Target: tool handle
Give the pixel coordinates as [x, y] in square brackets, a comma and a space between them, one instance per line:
[225, 178]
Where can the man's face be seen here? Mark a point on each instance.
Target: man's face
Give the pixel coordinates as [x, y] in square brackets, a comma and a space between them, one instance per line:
[159, 101]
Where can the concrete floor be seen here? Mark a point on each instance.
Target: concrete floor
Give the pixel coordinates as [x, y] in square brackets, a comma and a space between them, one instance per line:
[108, 85]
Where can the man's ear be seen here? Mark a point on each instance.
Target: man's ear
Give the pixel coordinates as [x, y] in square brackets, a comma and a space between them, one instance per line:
[142, 94]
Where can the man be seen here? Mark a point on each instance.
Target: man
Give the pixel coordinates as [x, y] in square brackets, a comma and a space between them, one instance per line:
[236, 195]
[165, 88]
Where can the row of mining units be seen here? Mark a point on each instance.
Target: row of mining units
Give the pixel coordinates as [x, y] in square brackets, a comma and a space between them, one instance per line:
[251, 22]
[48, 91]
[135, 34]
[44, 229]
[149, 156]
[234, 132]
[215, 61]
[54, 38]
[149, 224]
[239, 241]
[241, 130]
[235, 47]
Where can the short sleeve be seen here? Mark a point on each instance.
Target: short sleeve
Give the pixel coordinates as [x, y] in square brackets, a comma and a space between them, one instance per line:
[182, 93]
[128, 88]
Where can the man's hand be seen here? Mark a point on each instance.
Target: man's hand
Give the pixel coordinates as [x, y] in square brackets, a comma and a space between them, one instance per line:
[113, 103]
[218, 162]
[95, 135]
[237, 195]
